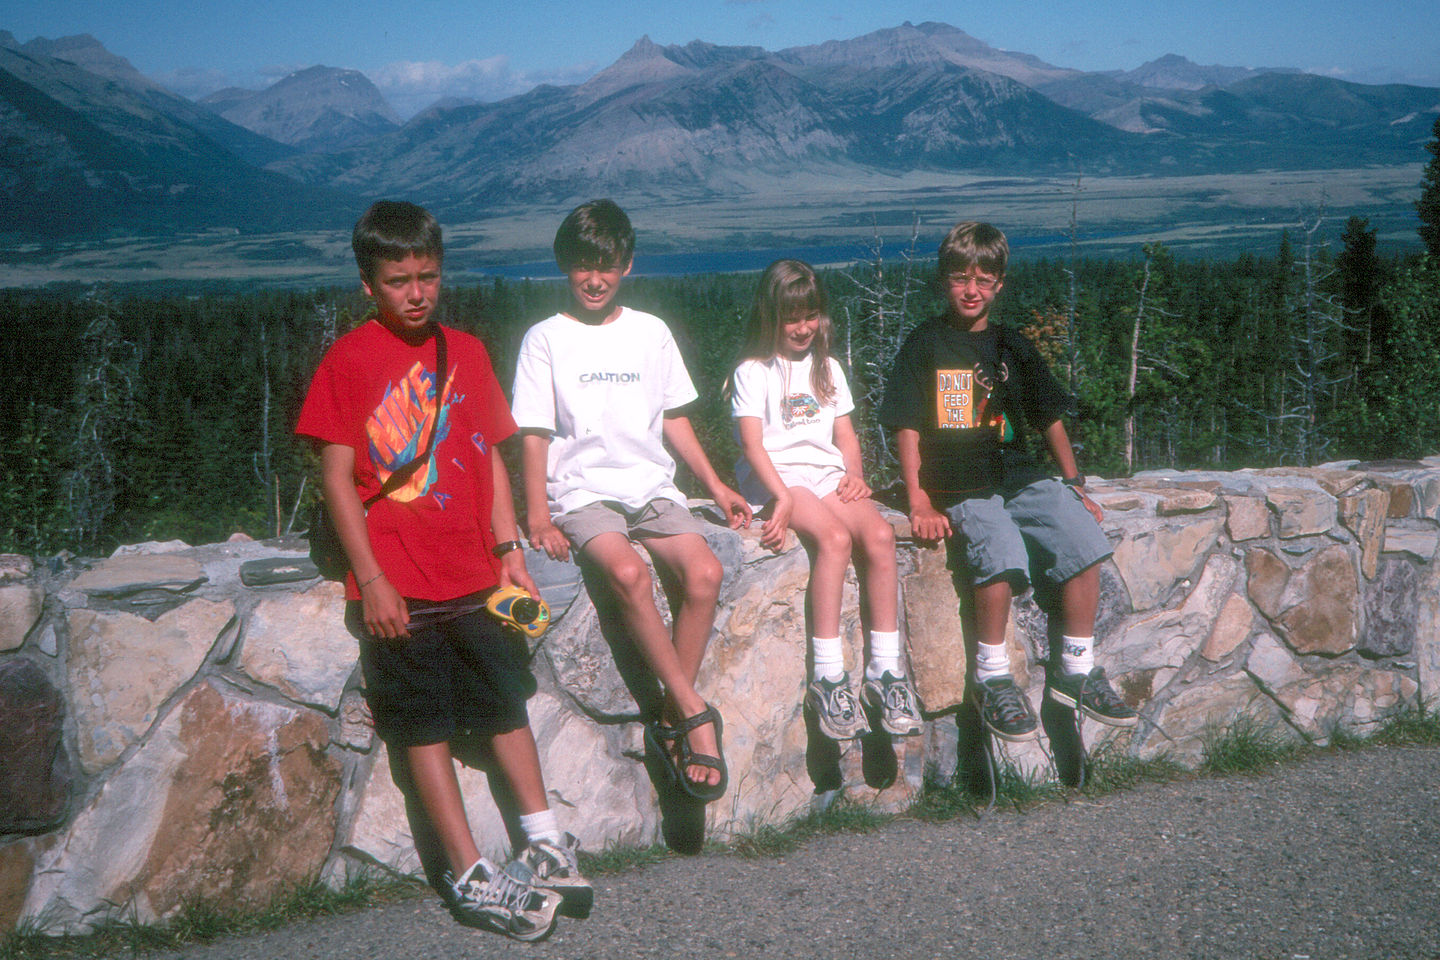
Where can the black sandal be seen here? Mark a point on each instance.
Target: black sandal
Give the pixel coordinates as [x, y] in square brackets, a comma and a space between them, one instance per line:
[672, 745]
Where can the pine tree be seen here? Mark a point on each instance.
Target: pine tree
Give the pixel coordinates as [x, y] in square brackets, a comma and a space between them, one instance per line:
[1428, 206]
[1361, 277]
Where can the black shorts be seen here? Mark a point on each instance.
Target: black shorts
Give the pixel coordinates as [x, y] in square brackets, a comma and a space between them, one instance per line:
[457, 672]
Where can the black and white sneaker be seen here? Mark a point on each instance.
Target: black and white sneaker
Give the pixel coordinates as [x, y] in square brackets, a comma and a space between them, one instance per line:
[1092, 694]
[504, 901]
[1004, 710]
[557, 867]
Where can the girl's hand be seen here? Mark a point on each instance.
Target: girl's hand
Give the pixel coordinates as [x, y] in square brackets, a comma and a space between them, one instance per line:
[772, 534]
[853, 487]
[1092, 506]
[544, 535]
[383, 610]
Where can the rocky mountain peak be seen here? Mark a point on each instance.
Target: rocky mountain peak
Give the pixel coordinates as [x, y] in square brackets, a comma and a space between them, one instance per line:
[318, 109]
[1174, 72]
[89, 54]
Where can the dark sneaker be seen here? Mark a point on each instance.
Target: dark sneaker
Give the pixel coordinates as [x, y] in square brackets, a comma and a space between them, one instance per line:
[557, 867]
[1094, 696]
[894, 702]
[836, 712]
[1004, 709]
[504, 901]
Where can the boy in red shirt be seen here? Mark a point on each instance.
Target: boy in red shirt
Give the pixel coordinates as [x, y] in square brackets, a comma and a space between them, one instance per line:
[423, 559]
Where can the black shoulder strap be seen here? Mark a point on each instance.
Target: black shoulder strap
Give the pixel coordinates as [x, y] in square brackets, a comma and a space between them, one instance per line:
[401, 476]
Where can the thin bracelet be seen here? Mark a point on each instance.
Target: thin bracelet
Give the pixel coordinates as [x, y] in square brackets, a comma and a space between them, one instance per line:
[361, 586]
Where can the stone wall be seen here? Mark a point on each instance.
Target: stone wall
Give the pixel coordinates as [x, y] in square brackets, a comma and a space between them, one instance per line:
[181, 722]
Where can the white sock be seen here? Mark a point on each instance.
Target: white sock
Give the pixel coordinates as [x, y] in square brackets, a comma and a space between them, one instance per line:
[829, 658]
[991, 660]
[541, 825]
[884, 654]
[468, 873]
[1077, 654]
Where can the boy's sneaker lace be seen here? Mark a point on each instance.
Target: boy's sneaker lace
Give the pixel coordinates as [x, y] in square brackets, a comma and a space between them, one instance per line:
[1004, 709]
[836, 711]
[504, 901]
[894, 701]
[1094, 696]
[557, 867]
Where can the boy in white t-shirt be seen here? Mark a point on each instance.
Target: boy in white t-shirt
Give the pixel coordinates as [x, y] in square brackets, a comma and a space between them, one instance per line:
[597, 390]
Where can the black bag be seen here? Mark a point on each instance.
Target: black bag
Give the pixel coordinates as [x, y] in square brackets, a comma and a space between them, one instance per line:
[326, 550]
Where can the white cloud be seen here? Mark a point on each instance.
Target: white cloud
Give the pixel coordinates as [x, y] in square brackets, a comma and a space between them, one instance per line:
[195, 82]
[411, 85]
[198, 82]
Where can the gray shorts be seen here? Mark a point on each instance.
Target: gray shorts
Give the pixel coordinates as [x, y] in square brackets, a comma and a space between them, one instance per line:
[658, 518]
[1042, 529]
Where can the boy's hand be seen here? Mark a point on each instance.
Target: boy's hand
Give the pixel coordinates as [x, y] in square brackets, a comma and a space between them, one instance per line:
[927, 523]
[734, 506]
[853, 487]
[544, 535]
[772, 534]
[514, 573]
[1092, 506]
[383, 610]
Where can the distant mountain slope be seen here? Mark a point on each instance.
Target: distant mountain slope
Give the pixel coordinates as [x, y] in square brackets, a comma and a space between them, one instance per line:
[926, 45]
[87, 53]
[319, 109]
[706, 118]
[97, 148]
[86, 155]
[1174, 72]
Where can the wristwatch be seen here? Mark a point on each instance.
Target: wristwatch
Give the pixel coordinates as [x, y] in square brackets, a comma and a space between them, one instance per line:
[500, 549]
[1076, 481]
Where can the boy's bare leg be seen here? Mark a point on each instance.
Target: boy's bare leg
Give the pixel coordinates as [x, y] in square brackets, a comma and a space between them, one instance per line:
[519, 760]
[992, 610]
[432, 771]
[688, 560]
[674, 660]
[1079, 599]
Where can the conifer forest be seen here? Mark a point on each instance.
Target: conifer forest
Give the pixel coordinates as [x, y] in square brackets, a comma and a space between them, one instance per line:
[149, 417]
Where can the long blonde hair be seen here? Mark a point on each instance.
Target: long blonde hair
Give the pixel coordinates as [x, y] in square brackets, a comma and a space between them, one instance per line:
[788, 287]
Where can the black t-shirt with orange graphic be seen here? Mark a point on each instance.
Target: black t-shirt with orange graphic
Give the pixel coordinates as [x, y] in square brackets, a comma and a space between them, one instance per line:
[967, 394]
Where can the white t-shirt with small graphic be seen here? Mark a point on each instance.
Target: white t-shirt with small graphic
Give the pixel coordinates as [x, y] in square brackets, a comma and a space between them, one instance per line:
[796, 429]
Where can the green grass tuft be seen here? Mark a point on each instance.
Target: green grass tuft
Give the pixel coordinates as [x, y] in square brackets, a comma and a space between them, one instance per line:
[1110, 772]
[1410, 728]
[840, 816]
[617, 859]
[1246, 746]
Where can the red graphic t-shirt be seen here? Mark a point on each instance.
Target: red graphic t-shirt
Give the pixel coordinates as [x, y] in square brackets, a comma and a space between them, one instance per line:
[378, 394]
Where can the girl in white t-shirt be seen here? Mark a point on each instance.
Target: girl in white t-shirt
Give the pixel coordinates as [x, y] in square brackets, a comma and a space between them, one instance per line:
[791, 405]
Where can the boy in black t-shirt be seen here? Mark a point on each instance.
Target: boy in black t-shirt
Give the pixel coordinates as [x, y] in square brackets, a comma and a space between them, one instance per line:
[958, 384]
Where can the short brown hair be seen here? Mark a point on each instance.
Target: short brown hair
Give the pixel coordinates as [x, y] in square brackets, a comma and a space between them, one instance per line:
[393, 230]
[971, 243]
[595, 234]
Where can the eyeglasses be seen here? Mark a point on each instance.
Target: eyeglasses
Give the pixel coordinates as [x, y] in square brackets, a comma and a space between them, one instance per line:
[981, 281]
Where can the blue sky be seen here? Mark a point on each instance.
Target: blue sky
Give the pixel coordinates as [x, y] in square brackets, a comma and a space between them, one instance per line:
[418, 51]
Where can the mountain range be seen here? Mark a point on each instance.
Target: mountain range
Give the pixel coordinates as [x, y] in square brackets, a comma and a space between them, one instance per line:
[92, 146]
